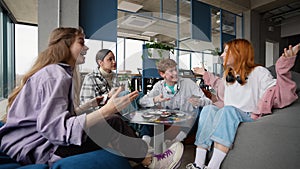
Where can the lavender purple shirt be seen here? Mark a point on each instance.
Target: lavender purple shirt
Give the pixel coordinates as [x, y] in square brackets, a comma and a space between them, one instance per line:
[41, 117]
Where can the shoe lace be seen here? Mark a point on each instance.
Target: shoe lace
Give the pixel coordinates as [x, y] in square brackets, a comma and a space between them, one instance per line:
[163, 155]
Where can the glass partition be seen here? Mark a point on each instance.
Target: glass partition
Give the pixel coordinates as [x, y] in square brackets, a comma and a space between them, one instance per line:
[7, 65]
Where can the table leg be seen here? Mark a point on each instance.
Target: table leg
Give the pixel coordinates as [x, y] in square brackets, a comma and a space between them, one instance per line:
[158, 138]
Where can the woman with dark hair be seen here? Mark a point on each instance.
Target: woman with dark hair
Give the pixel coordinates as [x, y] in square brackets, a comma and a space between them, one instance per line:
[102, 81]
[247, 91]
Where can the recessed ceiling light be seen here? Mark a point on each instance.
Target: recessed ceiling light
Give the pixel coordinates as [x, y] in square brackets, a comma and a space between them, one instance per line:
[128, 6]
[138, 22]
[148, 33]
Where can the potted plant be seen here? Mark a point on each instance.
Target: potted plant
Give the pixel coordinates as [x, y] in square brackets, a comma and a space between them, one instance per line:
[158, 50]
[215, 52]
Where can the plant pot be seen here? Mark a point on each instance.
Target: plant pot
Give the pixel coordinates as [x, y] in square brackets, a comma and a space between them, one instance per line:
[154, 53]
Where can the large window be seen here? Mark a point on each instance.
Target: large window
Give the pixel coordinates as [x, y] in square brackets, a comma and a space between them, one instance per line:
[6, 55]
[133, 55]
[26, 47]
[128, 53]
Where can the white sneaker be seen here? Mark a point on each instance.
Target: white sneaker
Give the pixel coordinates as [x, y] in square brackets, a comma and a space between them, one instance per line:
[170, 159]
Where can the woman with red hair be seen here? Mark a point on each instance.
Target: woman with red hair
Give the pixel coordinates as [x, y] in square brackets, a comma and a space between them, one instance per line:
[245, 93]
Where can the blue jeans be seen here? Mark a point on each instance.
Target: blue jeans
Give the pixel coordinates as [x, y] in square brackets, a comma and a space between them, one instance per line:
[219, 125]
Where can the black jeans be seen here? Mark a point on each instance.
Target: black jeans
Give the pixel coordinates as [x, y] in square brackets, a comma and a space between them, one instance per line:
[112, 133]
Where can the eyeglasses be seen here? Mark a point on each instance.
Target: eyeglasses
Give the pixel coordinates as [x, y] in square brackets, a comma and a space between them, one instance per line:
[171, 71]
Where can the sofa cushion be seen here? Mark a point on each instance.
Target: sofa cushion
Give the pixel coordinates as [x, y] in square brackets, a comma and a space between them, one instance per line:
[270, 142]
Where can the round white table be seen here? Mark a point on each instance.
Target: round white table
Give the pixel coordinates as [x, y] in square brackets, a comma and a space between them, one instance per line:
[158, 118]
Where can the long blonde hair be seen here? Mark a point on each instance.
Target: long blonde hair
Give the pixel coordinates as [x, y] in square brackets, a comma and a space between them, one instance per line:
[243, 55]
[58, 51]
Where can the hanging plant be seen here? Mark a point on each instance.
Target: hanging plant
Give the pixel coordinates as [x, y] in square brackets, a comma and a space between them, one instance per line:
[158, 50]
[215, 52]
[158, 45]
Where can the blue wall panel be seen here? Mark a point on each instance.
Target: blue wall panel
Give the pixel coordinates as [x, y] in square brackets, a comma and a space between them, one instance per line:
[201, 21]
[226, 37]
[149, 65]
[98, 18]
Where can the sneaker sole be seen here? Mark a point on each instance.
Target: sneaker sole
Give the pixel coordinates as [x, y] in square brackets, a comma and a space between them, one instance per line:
[177, 160]
[178, 165]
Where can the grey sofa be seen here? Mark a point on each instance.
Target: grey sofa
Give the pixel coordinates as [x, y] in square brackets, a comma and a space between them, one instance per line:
[272, 142]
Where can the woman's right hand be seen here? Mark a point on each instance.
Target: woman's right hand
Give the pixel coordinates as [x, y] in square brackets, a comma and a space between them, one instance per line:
[199, 70]
[116, 104]
[160, 98]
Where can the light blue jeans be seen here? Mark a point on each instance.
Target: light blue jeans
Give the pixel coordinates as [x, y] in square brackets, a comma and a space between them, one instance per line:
[219, 125]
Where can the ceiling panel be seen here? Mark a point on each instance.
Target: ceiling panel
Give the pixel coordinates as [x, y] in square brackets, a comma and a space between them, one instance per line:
[24, 11]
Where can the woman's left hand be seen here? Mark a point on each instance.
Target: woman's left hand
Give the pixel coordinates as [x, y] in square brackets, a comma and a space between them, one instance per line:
[199, 70]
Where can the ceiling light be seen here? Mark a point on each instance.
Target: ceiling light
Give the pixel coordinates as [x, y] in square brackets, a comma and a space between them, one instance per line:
[148, 33]
[128, 6]
[138, 22]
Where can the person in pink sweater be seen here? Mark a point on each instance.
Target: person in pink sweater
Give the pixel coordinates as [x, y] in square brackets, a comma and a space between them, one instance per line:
[245, 93]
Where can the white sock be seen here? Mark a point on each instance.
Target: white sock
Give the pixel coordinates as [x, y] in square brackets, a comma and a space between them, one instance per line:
[181, 135]
[216, 159]
[147, 139]
[200, 157]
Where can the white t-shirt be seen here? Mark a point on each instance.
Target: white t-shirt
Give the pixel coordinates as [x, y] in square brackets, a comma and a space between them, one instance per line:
[246, 97]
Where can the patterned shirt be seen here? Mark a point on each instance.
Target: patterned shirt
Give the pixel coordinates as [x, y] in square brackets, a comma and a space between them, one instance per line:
[94, 84]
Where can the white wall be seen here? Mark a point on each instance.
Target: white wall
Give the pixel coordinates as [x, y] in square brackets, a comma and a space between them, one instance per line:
[290, 27]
